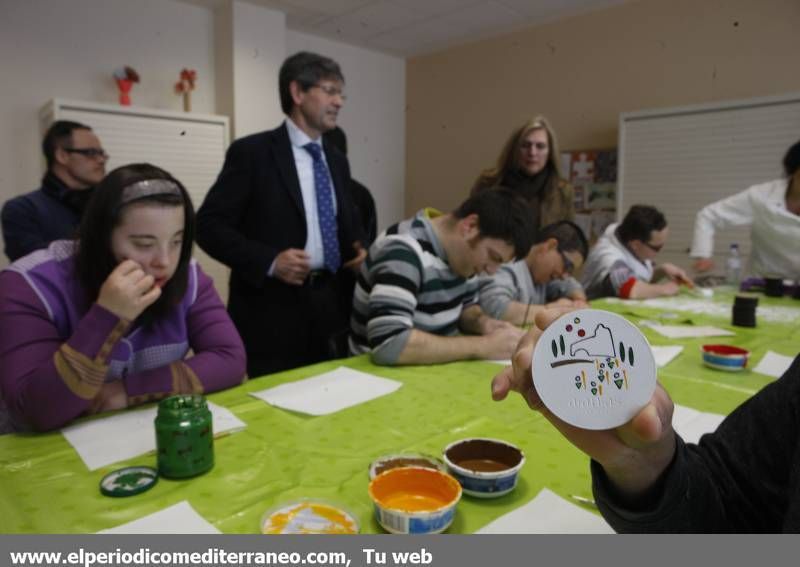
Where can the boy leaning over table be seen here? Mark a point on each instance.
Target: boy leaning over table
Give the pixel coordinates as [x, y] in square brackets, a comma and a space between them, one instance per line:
[541, 280]
[417, 289]
[744, 477]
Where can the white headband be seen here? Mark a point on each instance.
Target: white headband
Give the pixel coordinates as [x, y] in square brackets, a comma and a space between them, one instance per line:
[148, 188]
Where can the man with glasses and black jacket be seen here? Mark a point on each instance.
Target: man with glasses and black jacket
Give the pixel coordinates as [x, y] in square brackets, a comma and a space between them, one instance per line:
[76, 162]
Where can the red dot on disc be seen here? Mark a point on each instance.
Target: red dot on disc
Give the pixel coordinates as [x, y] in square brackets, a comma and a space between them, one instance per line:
[581, 332]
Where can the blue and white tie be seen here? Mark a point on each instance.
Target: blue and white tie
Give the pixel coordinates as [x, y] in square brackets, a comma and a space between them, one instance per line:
[327, 219]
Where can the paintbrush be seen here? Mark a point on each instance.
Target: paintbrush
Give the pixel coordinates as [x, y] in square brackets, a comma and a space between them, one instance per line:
[583, 500]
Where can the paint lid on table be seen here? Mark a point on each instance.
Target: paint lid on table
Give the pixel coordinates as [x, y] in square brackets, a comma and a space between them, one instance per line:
[128, 481]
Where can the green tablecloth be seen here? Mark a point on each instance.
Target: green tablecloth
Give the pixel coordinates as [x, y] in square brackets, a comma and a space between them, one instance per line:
[46, 488]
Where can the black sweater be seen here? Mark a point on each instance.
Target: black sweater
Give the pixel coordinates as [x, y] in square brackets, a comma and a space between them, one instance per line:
[744, 477]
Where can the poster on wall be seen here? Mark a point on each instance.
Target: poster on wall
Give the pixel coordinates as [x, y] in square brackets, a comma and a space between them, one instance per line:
[593, 175]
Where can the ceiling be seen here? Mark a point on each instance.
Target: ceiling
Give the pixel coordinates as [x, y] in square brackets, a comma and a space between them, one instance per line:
[413, 27]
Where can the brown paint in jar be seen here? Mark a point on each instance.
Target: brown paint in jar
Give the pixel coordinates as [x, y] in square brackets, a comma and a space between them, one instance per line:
[482, 465]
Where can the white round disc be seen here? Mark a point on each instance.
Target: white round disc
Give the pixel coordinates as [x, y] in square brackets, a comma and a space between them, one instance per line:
[594, 369]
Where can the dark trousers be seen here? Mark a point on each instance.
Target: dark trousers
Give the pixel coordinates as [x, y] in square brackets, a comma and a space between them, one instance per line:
[285, 326]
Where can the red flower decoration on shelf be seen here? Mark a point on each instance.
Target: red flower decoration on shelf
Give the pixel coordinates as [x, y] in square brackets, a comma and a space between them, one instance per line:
[185, 86]
[125, 77]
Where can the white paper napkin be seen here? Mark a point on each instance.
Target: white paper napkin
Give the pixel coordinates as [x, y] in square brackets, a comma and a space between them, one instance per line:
[774, 364]
[548, 513]
[119, 437]
[692, 424]
[690, 331]
[329, 392]
[179, 518]
[665, 354]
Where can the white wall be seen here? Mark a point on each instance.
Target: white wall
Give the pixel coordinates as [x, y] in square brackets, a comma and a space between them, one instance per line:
[373, 118]
[53, 48]
[69, 49]
[259, 48]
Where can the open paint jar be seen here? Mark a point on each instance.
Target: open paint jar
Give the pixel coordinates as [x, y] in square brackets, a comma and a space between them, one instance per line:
[486, 468]
[413, 500]
[725, 357]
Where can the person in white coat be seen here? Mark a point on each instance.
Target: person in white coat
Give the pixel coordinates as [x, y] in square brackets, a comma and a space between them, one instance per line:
[772, 210]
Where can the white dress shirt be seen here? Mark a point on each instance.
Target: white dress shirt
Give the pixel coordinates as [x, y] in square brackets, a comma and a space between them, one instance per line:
[774, 230]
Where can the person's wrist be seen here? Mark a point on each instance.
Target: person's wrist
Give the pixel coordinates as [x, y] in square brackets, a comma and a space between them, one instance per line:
[482, 349]
[637, 471]
[111, 308]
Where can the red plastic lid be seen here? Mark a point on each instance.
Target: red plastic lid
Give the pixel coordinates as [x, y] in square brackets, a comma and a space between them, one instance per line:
[725, 349]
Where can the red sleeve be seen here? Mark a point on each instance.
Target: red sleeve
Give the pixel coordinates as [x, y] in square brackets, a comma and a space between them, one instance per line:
[626, 288]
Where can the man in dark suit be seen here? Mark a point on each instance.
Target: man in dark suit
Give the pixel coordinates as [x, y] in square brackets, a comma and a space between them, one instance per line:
[281, 216]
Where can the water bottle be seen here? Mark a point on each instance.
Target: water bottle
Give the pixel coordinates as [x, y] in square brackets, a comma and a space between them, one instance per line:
[733, 267]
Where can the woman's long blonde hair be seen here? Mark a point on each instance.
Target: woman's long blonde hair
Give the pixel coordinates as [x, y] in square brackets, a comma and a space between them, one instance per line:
[508, 160]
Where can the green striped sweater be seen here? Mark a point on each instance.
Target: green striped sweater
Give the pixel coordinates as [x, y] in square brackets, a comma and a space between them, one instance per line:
[406, 283]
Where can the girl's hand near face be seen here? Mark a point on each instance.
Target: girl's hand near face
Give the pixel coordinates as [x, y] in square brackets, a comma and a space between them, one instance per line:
[128, 291]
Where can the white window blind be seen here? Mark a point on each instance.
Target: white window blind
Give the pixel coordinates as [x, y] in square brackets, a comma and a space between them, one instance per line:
[189, 146]
[681, 159]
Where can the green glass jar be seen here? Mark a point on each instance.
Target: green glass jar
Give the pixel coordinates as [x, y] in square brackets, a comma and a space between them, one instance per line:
[184, 436]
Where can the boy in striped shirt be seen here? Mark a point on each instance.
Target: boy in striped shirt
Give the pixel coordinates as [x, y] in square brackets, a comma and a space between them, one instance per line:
[416, 299]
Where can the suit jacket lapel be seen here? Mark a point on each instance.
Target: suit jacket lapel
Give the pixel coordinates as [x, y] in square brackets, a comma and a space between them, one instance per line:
[288, 171]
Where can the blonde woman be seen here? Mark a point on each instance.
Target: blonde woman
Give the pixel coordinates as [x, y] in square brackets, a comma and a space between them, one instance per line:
[529, 165]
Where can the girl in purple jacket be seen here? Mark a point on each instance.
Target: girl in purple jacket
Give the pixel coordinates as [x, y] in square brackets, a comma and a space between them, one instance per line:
[106, 321]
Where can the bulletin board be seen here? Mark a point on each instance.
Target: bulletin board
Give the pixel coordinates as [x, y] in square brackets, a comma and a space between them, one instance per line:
[593, 175]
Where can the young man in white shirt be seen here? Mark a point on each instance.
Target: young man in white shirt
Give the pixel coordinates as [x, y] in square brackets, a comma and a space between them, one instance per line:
[622, 262]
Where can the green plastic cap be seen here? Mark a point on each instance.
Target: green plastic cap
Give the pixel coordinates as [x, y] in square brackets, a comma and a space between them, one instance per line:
[128, 481]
